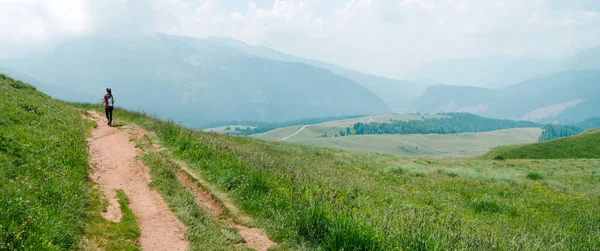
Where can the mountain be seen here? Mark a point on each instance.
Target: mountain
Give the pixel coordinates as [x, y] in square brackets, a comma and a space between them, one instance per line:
[495, 72]
[567, 98]
[56, 92]
[585, 59]
[398, 94]
[582, 146]
[194, 81]
[489, 72]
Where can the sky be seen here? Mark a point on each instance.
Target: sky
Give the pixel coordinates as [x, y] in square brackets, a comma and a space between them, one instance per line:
[383, 37]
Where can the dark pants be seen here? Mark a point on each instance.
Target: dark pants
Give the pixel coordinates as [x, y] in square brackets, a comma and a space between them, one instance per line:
[109, 111]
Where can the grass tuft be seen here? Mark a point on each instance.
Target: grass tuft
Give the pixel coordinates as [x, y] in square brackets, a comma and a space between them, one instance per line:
[535, 176]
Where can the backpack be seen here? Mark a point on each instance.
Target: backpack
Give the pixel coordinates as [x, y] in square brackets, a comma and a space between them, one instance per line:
[110, 101]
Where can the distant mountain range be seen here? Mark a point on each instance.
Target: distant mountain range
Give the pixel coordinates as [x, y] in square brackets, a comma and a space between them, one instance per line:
[203, 81]
[566, 98]
[192, 81]
[496, 72]
[398, 94]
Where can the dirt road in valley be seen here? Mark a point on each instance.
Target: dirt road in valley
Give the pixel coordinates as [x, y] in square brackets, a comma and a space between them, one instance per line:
[115, 166]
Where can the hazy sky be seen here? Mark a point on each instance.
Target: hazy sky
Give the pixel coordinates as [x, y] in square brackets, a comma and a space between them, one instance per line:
[384, 37]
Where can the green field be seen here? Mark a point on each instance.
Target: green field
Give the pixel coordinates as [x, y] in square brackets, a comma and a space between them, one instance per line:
[46, 201]
[428, 145]
[318, 198]
[583, 146]
[331, 128]
[423, 145]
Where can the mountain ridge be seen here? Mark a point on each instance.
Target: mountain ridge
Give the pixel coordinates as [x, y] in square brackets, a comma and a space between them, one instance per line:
[197, 81]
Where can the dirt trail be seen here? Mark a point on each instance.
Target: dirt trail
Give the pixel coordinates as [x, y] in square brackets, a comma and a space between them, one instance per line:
[255, 237]
[115, 166]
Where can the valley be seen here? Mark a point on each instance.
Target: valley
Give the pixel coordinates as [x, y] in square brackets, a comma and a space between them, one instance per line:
[281, 125]
[301, 196]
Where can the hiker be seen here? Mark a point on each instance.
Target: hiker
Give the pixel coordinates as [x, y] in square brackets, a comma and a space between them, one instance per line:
[108, 101]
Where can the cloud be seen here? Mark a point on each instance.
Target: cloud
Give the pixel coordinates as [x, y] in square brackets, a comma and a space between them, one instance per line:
[385, 37]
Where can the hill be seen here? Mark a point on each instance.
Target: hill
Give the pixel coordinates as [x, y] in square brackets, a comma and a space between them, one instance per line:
[43, 168]
[426, 145]
[195, 81]
[496, 72]
[341, 135]
[398, 94]
[565, 98]
[318, 198]
[303, 197]
[487, 72]
[582, 146]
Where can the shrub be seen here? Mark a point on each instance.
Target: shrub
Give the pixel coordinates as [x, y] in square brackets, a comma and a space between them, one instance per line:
[535, 176]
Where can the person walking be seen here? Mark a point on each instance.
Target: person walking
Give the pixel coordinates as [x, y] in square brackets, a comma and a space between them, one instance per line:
[109, 102]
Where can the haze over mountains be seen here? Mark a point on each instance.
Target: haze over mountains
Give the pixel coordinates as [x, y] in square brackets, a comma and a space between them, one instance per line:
[200, 81]
[398, 94]
[499, 71]
[194, 81]
[566, 98]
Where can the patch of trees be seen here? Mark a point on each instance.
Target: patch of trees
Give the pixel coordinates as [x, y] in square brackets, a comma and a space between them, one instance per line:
[451, 123]
[550, 132]
[262, 127]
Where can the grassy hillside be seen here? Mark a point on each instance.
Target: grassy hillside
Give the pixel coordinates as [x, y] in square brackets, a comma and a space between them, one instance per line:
[46, 201]
[331, 128]
[428, 145]
[43, 165]
[583, 146]
[313, 198]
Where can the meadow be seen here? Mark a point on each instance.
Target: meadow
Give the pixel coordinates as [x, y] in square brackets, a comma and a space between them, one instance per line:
[307, 198]
[317, 198]
[427, 145]
[585, 145]
[46, 201]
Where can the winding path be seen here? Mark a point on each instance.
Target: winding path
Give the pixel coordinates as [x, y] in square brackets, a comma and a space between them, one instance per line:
[282, 139]
[115, 166]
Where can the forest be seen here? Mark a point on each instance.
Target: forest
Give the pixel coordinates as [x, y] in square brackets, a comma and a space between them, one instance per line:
[450, 123]
[262, 127]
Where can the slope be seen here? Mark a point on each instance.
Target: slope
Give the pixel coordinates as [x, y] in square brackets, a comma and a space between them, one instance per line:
[195, 81]
[398, 94]
[43, 169]
[567, 98]
[315, 198]
[488, 72]
[582, 146]
[428, 145]
[501, 71]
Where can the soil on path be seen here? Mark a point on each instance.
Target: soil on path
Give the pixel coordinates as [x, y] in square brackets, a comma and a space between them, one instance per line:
[115, 166]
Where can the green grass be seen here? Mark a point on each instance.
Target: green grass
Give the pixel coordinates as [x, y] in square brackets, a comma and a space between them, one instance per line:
[330, 128]
[100, 233]
[336, 200]
[582, 146]
[43, 168]
[203, 231]
[535, 176]
[425, 145]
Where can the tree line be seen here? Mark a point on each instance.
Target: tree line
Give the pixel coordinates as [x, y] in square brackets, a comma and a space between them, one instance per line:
[449, 123]
[262, 127]
[552, 131]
